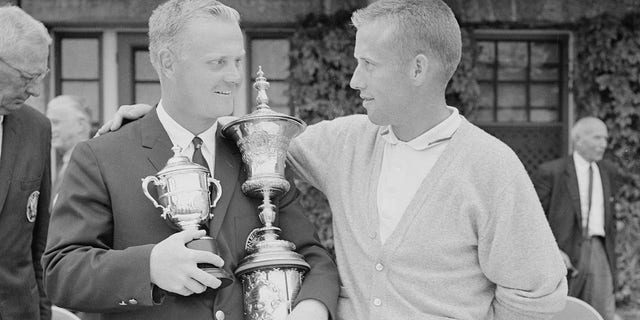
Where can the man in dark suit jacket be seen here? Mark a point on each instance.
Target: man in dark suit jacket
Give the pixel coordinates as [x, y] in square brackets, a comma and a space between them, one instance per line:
[110, 252]
[563, 188]
[25, 141]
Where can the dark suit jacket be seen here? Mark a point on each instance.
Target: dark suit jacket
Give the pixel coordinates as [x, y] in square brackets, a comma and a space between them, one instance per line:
[557, 186]
[103, 229]
[24, 172]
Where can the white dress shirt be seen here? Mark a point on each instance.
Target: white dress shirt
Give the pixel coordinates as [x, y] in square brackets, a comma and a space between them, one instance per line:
[182, 137]
[596, 214]
[404, 167]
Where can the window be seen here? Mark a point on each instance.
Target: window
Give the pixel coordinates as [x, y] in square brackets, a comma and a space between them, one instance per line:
[78, 68]
[146, 84]
[272, 54]
[522, 78]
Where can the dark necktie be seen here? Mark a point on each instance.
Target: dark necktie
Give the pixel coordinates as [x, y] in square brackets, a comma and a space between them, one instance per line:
[197, 153]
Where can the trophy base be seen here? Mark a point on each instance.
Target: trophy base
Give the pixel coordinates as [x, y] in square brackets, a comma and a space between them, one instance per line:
[208, 244]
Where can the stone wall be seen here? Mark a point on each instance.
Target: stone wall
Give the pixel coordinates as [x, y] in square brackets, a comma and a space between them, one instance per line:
[537, 11]
[101, 13]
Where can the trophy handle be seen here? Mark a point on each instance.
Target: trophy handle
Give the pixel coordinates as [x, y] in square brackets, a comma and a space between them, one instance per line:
[217, 190]
[145, 189]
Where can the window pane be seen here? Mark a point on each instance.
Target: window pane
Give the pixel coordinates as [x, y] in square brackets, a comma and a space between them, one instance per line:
[278, 97]
[514, 114]
[148, 93]
[487, 98]
[272, 55]
[144, 69]
[544, 95]
[544, 61]
[483, 114]
[512, 60]
[544, 115]
[79, 58]
[486, 60]
[511, 95]
[88, 90]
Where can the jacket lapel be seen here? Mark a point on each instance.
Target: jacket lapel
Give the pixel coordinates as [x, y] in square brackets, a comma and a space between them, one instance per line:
[155, 140]
[571, 179]
[227, 168]
[10, 140]
[606, 193]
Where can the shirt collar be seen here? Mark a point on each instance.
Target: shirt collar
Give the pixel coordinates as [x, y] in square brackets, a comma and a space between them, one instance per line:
[580, 162]
[1, 119]
[182, 137]
[443, 131]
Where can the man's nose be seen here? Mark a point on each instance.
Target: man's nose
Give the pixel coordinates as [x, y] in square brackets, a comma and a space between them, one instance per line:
[33, 89]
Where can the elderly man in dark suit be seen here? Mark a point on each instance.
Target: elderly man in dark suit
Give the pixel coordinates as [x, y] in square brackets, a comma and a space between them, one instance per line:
[25, 141]
[577, 194]
[110, 252]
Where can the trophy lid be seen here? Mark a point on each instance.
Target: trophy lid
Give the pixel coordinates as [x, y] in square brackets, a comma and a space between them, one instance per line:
[263, 112]
[180, 162]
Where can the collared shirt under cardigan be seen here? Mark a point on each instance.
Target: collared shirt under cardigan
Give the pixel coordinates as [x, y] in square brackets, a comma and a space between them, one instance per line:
[404, 167]
[473, 243]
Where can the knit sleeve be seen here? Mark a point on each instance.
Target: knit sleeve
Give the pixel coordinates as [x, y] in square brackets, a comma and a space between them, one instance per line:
[518, 253]
[313, 153]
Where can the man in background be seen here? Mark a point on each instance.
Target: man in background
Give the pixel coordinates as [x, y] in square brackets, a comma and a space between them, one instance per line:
[70, 123]
[577, 194]
[25, 177]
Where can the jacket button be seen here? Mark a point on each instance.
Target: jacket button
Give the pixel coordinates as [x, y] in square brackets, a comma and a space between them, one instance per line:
[219, 315]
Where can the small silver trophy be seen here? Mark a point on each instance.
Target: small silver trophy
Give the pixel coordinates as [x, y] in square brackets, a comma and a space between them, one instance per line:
[186, 201]
[272, 271]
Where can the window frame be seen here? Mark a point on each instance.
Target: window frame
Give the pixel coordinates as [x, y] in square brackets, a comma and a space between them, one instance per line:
[562, 38]
[59, 36]
[261, 33]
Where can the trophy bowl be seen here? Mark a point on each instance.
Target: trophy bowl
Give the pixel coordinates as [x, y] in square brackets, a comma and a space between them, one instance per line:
[186, 194]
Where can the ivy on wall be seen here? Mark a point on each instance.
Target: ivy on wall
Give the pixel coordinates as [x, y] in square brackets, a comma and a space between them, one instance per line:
[607, 85]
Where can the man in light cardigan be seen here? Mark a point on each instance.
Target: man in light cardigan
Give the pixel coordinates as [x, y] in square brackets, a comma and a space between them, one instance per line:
[433, 218]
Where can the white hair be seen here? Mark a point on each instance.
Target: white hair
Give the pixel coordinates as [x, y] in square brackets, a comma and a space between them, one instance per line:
[19, 34]
[168, 19]
[421, 27]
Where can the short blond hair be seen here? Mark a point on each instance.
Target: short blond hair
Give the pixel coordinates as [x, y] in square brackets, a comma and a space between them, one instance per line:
[168, 19]
[421, 27]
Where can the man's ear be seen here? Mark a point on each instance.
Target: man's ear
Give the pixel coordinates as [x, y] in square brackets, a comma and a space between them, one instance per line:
[166, 60]
[419, 68]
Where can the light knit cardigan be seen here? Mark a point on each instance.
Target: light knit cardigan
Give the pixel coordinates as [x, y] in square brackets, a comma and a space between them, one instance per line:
[472, 244]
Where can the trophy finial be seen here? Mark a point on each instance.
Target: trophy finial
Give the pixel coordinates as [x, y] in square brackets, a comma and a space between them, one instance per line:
[261, 85]
[176, 150]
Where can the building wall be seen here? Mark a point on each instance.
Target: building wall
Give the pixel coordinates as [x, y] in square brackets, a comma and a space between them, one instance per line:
[136, 13]
[537, 11]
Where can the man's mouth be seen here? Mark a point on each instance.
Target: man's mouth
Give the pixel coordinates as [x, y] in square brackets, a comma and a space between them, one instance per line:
[224, 93]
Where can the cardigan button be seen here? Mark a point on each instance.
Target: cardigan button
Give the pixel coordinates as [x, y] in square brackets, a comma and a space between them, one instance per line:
[377, 302]
[372, 235]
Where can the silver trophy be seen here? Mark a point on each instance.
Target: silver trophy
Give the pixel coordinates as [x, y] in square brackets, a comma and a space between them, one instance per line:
[272, 271]
[187, 194]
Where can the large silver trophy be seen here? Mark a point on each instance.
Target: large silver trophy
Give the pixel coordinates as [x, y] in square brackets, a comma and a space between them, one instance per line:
[187, 194]
[272, 271]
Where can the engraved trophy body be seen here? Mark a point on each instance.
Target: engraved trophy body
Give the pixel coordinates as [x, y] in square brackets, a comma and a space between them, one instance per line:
[186, 195]
[272, 271]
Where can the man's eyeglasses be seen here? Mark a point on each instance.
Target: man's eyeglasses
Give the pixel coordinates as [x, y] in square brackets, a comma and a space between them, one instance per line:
[28, 78]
